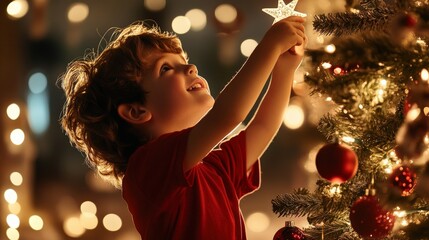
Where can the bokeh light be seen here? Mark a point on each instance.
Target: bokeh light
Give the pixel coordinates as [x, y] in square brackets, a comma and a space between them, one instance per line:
[257, 222]
[247, 47]
[35, 222]
[226, 13]
[88, 220]
[17, 136]
[16, 178]
[330, 48]
[13, 111]
[155, 5]
[12, 234]
[37, 82]
[181, 24]
[112, 222]
[14, 208]
[10, 196]
[38, 112]
[88, 207]
[73, 228]
[198, 19]
[78, 12]
[294, 117]
[13, 221]
[424, 74]
[17, 8]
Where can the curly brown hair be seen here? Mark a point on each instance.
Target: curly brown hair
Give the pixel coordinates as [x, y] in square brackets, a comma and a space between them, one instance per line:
[97, 84]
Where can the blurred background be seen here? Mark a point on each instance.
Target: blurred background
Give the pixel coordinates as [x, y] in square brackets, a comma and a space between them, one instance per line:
[47, 190]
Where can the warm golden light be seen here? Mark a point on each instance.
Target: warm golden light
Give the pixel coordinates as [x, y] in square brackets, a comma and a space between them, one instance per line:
[226, 13]
[424, 74]
[112, 222]
[16, 178]
[17, 136]
[13, 221]
[78, 12]
[330, 48]
[383, 83]
[14, 208]
[155, 5]
[12, 234]
[412, 114]
[73, 228]
[293, 117]
[257, 222]
[88, 220]
[88, 207]
[13, 111]
[326, 65]
[10, 196]
[198, 19]
[181, 24]
[348, 139]
[17, 8]
[35, 222]
[247, 47]
[335, 190]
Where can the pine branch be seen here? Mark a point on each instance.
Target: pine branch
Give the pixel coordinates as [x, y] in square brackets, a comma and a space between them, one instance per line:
[418, 231]
[299, 203]
[338, 24]
[339, 229]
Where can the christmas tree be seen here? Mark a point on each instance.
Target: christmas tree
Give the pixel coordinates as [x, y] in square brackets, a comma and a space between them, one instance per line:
[374, 168]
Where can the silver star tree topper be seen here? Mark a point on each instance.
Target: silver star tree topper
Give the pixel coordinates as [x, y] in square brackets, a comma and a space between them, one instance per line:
[283, 11]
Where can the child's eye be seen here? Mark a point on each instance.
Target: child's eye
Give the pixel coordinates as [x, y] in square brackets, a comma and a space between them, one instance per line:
[164, 68]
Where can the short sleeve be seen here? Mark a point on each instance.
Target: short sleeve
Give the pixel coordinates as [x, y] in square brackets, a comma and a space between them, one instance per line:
[232, 158]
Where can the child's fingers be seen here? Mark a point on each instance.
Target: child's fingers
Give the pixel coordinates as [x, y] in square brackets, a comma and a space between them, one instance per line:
[295, 19]
[298, 26]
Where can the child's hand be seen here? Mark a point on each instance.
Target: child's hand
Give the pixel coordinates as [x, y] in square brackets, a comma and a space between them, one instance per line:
[292, 58]
[285, 35]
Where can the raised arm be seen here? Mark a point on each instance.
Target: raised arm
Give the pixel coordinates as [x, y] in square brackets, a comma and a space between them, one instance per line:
[269, 115]
[238, 97]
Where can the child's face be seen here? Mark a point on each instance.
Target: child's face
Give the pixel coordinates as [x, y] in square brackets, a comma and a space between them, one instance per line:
[177, 96]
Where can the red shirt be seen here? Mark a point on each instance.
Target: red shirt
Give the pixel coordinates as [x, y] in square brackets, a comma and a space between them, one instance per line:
[202, 203]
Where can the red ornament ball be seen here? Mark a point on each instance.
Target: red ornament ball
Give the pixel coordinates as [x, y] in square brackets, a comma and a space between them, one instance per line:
[289, 232]
[408, 20]
[336, 163]
[404, 179]
[369, 219]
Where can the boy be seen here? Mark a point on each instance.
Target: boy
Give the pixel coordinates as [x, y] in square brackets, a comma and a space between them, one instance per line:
[142, 115]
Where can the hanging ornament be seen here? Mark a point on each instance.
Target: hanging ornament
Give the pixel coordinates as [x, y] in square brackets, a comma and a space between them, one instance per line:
[289, 232]
[336, 162]
[404, 179]
[408, 20]
[369, 219]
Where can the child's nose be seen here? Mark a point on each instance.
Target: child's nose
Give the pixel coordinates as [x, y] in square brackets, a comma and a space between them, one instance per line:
[191, 69]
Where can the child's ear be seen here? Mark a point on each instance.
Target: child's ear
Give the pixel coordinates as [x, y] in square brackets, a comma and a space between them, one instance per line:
[134, 113]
